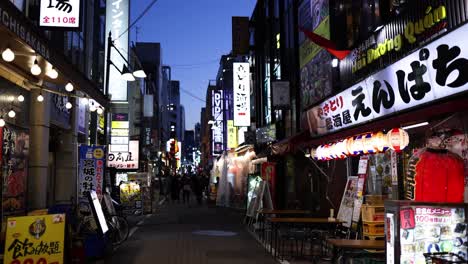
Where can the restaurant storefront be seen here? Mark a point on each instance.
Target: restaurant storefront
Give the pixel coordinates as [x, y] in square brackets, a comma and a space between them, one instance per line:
[40, 116]
[401, 129]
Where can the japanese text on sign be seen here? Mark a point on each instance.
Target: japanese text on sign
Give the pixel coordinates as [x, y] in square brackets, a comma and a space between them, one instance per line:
[124, 159]
[60, 13]
[218, 126]
[436, 71]
[241, 77]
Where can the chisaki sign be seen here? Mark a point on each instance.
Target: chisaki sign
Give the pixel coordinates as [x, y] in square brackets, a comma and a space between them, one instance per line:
[60, 13]
[431, 73]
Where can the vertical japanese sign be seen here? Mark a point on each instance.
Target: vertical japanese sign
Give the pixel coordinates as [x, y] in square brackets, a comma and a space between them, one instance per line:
[232, 134]
[35, 239]
[60, 13]
[91, 170]
[117, 14]
[14, 170]
[241, 94]
[218, 126]
[431, 73]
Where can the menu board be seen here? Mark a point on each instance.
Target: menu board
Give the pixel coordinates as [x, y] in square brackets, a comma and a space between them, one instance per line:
[428, 229]
[345, 213]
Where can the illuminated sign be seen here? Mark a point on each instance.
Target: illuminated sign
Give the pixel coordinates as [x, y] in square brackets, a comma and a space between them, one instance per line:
[126, 160]
[119, 132]
[60, 13]
[232, 134]
[117, 13]
[431, 73]
[218, 126]
[241, 94]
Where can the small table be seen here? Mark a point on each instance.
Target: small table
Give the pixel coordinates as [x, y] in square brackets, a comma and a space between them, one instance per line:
[288, 212]
[345, 247]
[309, 221]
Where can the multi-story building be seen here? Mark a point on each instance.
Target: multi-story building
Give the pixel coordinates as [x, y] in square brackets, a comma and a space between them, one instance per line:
[38, 115]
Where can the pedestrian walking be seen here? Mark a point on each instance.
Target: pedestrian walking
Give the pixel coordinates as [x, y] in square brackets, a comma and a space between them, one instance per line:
[198, 188]
[175, 188]
[186, 188]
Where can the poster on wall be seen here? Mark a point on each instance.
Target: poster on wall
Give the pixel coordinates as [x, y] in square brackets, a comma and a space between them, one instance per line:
[91, 173]
[345, 212]
[14, 169]
[35, 239]
[131, 197]
[314, 62]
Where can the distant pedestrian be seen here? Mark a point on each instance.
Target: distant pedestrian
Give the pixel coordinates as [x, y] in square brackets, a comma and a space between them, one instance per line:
[175, 188]
[198, 188]
[186, 188]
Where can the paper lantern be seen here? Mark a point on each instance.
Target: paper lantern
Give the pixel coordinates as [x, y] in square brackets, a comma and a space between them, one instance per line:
[397, 139]
[341, 150]
[380, 141]
[358, 145]
[320, 152]
[435, 175]
[313, 153]
[368, 143]
[350, 146]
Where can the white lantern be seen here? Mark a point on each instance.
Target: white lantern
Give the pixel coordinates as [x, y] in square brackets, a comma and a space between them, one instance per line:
[398, 139]
[341, 150]
[380, 141]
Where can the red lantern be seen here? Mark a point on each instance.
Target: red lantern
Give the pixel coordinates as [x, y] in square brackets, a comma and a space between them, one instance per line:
[436, 176]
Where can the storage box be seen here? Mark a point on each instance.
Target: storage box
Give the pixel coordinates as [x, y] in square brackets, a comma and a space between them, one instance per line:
[373, 213]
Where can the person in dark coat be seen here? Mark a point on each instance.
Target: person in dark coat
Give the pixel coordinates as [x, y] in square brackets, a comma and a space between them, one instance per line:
[175, 188]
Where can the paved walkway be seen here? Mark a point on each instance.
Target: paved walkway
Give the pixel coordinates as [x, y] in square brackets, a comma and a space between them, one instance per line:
[178, 234]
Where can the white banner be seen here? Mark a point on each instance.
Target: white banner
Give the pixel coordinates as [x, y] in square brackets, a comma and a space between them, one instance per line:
[241, 79]
[117, 13]
[55, 13]
[435, 71]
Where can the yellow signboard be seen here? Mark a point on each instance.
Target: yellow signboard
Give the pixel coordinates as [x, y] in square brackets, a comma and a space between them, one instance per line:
[232, 134]
[120, 124]
[35, 239]
[308, 50]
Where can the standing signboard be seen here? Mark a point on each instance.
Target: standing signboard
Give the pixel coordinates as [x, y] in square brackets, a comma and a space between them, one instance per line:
[14, 169]
[345, 212]
[91, 173]
[35, 239]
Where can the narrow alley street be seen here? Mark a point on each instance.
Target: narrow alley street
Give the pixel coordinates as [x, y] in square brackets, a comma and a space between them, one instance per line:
[197, 234]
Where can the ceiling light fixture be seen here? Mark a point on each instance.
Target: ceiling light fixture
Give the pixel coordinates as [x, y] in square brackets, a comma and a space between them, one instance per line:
[415, 125]
[69, 87]
[8, 55]
[12, 113]
[68, 105]
[20, 98]
[35, 69]
[40, 98]
[53, 74]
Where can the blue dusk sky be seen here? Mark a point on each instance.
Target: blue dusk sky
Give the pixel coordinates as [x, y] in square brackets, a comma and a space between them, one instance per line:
[193, 36]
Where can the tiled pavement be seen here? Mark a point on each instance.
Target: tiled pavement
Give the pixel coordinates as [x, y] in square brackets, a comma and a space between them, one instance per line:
[178, 234]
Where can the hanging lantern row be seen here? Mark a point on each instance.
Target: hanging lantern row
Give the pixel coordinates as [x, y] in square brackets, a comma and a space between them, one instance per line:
[368, 143]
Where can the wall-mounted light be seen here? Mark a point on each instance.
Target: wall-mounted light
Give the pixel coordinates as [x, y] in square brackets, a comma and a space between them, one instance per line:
[20, 98]
[12, 113]
[127, 75]
[416, 125]
[2, 121]
[35, 69]
[8, 55]
[40, 97]
[68, 105]
[335, 63]
[53, 74]
[69, 87]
